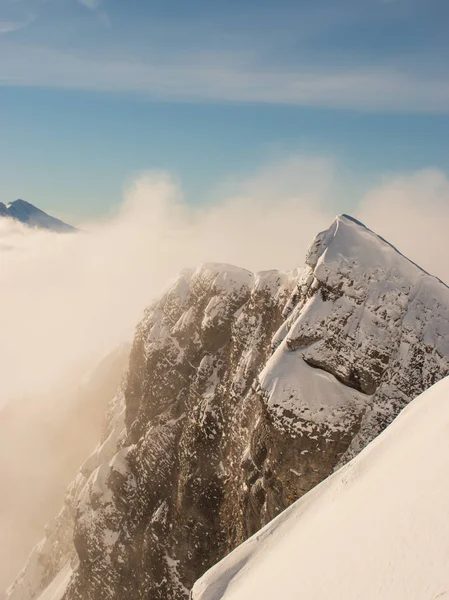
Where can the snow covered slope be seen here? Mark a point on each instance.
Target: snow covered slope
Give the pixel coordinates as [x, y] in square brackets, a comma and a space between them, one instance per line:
[30, 215]
[377, 529]
[245, 391]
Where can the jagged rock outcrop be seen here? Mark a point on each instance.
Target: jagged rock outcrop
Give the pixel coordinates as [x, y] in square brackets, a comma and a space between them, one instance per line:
[244, 391]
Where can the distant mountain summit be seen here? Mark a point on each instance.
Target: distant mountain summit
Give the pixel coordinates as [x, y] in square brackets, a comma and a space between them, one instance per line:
[30, 215]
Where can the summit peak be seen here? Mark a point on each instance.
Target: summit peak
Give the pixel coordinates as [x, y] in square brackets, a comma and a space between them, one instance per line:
[27, 213]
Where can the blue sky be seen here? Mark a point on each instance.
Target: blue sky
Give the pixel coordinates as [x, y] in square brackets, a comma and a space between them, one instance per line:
[93, 92]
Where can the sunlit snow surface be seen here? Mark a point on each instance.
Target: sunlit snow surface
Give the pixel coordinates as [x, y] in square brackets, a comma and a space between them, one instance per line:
[377, 529]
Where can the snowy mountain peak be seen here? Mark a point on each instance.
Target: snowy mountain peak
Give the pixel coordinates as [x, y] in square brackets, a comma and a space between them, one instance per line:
[349, 243]
[30, 215]
[21, 203]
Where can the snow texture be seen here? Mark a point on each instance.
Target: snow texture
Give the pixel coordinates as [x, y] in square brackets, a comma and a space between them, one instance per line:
[377, 529]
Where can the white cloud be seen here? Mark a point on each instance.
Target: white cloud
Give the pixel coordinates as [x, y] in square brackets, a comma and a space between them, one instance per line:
[230, 77]
[95, 7]
[68, 299]
[91, 4]
[412, 212]
[10, 26]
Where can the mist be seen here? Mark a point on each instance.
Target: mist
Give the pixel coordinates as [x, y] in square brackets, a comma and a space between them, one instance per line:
[68, 299]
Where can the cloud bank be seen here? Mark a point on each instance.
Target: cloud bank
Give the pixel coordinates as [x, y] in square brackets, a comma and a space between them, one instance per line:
[10, 26]
[303, 54]
[228, 78]
[412, 211]
[68, 299]
[90, 4]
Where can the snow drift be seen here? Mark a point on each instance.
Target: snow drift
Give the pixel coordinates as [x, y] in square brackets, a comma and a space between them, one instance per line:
[376, 529]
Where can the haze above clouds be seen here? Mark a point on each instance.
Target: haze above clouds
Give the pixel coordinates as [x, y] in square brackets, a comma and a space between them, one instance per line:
[68, 299]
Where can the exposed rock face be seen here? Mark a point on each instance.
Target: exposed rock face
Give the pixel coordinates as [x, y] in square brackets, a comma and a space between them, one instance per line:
[244, 391]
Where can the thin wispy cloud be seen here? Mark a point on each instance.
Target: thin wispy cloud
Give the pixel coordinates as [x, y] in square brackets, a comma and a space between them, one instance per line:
[209, 78]
[260, 57]
[95, 6]
[91, 4]
[7, 26]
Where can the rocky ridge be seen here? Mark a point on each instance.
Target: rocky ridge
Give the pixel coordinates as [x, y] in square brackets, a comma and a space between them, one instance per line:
[243, 392]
